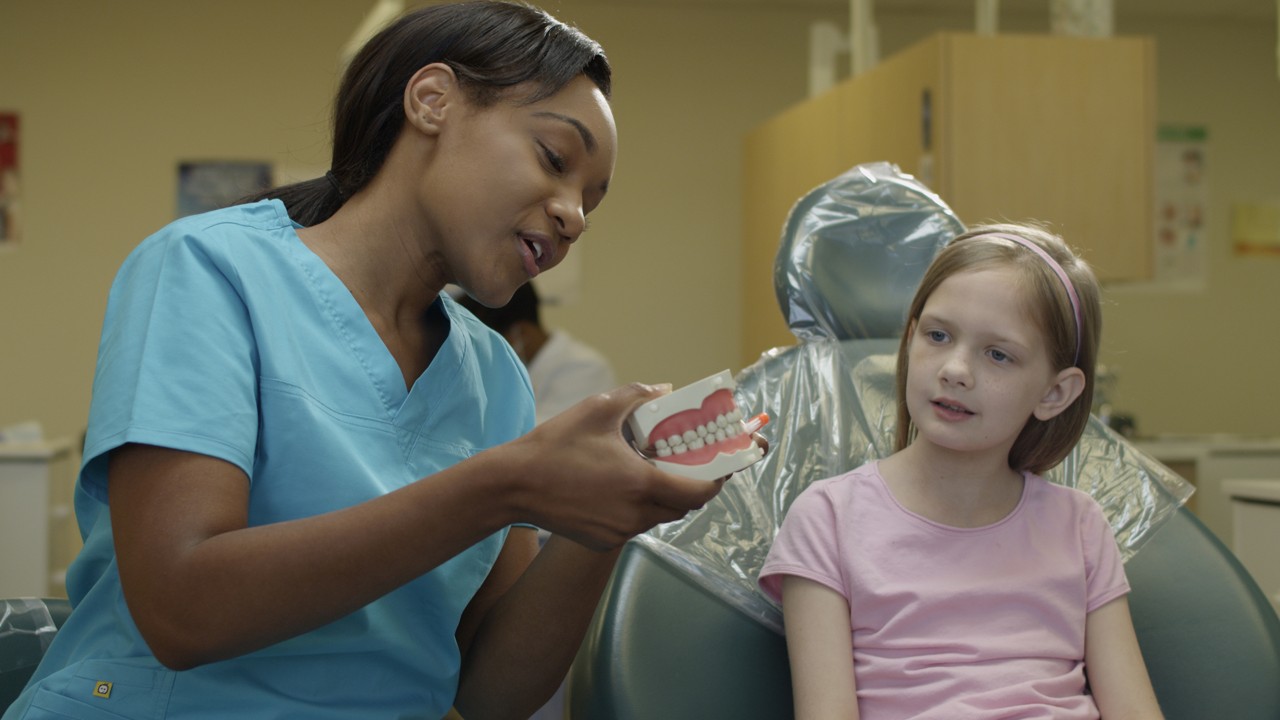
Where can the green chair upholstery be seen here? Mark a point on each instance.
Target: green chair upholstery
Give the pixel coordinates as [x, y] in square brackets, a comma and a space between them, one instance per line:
[27, 626]
[1209, 635]
[662, 646]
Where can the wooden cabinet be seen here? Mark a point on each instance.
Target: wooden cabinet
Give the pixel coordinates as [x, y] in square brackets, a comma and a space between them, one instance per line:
[1003, 127]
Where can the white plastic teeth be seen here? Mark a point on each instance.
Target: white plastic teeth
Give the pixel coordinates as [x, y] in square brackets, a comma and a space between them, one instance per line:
[721, 429]
[537, 250]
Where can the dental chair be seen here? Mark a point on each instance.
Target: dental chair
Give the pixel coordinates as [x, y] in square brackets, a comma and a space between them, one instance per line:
[27, 626]
[681, 631]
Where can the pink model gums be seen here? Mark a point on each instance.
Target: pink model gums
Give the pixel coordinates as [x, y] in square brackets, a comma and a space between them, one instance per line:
[698, 430]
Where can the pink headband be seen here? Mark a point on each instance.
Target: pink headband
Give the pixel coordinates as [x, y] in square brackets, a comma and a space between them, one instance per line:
[1062, 275]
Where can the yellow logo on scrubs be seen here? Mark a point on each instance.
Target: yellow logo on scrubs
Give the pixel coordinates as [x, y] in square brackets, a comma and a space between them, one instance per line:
[102, 689]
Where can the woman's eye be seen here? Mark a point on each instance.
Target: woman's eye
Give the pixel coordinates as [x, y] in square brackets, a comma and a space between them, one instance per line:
[553, 158]
[935, 335]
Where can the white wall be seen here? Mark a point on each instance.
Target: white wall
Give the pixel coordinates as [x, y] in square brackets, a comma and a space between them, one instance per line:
[110, 104]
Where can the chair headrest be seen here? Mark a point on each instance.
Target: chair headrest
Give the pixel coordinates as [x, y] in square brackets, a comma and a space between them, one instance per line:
[853, 251]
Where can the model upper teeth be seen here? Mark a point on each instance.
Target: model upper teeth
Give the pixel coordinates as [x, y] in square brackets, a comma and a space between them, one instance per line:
[714, 431]
[537, 250]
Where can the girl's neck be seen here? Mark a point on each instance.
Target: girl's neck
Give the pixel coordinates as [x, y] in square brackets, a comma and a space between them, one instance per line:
[954, 489]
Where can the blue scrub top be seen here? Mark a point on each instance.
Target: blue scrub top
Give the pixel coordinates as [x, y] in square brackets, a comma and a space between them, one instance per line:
[226, 336]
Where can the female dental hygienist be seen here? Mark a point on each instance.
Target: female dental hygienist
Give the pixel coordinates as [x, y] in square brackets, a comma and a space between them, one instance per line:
[304, 461]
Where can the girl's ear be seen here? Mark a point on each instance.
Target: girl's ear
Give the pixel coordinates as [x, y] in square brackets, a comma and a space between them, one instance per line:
[428, 96]
[1066, 387]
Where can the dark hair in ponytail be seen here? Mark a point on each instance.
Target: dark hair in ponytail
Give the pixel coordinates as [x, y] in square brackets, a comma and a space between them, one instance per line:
[490, 45]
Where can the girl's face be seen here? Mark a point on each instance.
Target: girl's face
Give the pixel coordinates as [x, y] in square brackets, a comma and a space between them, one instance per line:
[511, 185]
[978, 368]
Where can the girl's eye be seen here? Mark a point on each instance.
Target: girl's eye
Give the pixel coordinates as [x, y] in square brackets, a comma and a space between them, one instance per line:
[553, 158]
[1000, 356]
[936, 335]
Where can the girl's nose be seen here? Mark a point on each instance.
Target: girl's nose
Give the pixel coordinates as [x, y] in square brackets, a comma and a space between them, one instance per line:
[955, 370]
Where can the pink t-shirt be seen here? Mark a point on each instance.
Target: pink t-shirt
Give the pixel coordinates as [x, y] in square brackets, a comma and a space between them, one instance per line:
[956, 623]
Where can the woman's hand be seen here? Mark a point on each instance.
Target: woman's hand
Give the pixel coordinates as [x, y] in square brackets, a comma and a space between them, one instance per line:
[581, 479]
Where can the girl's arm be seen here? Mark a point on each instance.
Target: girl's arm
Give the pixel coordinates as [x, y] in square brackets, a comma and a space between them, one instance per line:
[1113, 662]
[820, 646]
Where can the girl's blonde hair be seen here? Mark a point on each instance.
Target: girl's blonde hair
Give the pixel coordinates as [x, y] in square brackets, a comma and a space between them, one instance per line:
[1042, 444]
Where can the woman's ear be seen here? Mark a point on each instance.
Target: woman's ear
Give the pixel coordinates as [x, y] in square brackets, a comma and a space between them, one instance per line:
[428, 96]
[1066, 387]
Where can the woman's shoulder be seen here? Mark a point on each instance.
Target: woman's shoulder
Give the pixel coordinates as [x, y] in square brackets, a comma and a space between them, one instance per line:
[263, 214]
[216, 228]
[224, 241]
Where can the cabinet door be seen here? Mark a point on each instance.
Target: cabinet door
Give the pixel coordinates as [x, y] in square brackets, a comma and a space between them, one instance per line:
[1014, 127]
[1055, 129]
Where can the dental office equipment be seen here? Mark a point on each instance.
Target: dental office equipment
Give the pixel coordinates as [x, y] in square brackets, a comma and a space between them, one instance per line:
[697, 431]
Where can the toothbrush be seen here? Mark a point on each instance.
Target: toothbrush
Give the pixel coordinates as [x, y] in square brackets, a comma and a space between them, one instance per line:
[755, 423]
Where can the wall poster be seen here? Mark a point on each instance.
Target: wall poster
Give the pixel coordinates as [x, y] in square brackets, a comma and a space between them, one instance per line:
[1182, 203]
[10, 196]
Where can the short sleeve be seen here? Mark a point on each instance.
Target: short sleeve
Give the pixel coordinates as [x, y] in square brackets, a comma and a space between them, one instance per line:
[177, 360]
[806, 546]
[1104, 569]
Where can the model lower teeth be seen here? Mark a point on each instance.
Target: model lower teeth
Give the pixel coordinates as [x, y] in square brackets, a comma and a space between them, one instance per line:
[718, 430]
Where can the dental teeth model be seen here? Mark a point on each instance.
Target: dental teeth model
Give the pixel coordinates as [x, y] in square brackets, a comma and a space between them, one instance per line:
[697, 431]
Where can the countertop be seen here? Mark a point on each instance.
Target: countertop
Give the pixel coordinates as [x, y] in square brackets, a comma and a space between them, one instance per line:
[1267, 491]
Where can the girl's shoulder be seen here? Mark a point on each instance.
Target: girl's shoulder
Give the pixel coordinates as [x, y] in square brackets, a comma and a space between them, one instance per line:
[1046, 496]
[841, 490]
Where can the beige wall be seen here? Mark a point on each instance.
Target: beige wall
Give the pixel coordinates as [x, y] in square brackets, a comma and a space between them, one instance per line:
[113, 95]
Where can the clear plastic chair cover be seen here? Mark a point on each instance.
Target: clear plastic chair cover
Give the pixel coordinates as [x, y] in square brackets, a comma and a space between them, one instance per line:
[26, 629]
[853, 251]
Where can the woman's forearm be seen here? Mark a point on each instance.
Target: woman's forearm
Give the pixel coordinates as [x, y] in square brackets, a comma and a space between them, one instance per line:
[529, 639]
[203, 586]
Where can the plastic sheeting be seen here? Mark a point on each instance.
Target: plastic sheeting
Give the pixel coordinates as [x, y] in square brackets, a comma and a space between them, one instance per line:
[26, 629]
[852, 254]
[854, 250]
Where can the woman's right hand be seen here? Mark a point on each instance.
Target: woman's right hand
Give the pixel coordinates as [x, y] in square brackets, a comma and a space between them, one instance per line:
[578, 477]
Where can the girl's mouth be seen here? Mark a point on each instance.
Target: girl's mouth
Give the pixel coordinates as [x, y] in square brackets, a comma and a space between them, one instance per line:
[950, 407]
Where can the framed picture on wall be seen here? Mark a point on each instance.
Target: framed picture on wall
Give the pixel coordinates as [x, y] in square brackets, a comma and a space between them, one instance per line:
[209, 185]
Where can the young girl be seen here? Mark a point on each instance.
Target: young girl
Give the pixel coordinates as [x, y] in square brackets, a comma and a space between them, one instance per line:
[304, 461]
[969, 586]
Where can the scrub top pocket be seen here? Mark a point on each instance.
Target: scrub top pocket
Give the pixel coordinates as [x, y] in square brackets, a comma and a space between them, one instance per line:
[103, 690]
